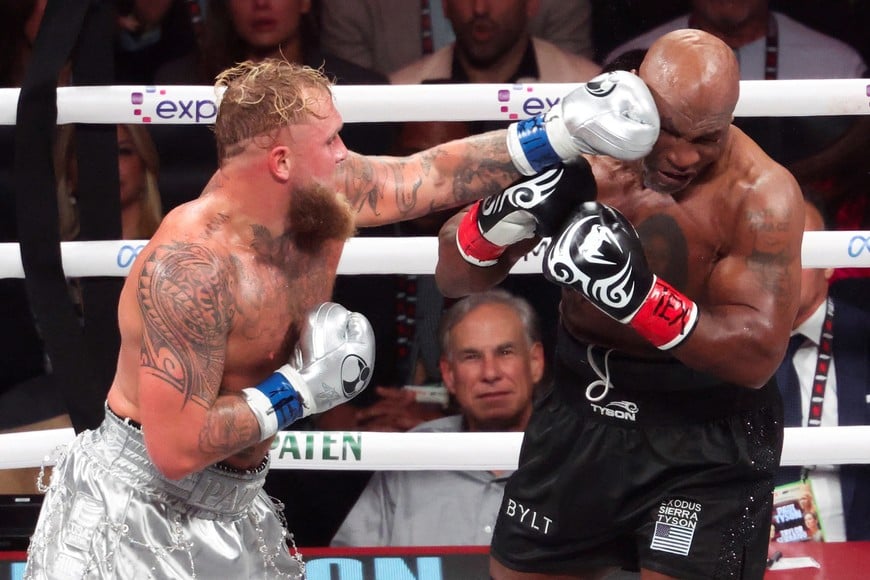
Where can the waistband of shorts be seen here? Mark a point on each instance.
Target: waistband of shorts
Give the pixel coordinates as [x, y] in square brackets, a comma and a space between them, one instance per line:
[220, 465]
[217, 491]
[649, 392]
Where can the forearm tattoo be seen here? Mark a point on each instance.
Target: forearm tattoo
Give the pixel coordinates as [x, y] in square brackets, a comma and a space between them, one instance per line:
[227, 426]
[406, 197]
[485, 168]
[444, 176]
[185, 295]
[360, 185]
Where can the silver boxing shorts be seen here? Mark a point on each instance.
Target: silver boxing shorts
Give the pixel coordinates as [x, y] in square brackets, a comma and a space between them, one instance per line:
[109, 513]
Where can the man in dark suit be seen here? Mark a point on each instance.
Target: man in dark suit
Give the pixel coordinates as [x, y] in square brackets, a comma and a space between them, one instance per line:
[826, 326]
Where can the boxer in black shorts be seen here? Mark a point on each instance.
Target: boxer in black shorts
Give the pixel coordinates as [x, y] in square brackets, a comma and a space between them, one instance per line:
[656, 447]
[637, 439]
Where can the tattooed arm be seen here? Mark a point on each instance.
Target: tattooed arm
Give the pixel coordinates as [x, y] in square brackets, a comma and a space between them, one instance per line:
[753, 291]
[388, 189]
[185, 297]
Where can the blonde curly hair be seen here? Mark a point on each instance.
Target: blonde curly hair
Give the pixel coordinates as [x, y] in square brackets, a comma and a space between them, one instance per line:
[261, 97]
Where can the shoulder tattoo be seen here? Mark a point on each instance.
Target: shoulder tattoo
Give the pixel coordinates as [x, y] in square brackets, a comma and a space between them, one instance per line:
[185, 296]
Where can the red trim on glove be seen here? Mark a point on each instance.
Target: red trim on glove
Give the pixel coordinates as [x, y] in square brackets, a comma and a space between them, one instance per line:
[475, 248]
[666, 317]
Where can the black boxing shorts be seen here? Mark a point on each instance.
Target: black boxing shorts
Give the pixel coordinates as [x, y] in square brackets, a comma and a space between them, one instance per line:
[668, 470]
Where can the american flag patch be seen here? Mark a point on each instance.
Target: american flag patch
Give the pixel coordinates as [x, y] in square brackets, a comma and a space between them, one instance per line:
[673, 539]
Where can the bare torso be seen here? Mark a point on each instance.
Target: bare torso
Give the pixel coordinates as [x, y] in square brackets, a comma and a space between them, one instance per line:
[272, 286]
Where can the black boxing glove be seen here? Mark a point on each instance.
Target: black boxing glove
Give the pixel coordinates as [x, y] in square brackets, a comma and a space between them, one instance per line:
[599, 254]
[530, 206]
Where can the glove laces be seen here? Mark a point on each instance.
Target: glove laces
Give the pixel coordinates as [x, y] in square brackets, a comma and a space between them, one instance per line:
[603, 378]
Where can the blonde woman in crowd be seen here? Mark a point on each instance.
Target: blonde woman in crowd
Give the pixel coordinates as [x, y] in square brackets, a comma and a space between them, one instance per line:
[138, 168]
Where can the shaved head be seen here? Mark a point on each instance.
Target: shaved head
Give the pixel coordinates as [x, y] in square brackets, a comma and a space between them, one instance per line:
[694, 73]
[695, 81]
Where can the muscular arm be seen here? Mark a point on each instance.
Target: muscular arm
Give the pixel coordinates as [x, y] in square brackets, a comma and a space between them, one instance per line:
[456, 277]
[185, 295]
[753, 291]
[388, 189]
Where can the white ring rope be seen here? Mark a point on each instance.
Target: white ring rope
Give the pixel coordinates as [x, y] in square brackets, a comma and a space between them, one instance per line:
[192, 104]
[354, 450]
[835, 249]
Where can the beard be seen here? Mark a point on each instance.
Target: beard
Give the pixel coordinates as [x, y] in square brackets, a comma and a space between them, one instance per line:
[318, 214]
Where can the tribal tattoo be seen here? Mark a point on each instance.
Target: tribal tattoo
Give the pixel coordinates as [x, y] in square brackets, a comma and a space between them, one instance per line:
[187, 304]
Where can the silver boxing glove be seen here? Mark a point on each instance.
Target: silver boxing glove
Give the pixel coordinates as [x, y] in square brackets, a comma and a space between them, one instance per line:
[335, 356]
[613, 114]
[332, 363]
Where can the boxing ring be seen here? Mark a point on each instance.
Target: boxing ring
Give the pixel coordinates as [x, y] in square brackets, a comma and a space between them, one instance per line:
[423, 451]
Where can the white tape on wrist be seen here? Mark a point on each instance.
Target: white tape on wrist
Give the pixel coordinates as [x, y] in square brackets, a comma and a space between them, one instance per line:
[561, 140]
[263, 412]
[516, 152]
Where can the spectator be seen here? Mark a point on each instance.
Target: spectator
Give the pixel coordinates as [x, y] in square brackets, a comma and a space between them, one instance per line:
[842, 493]
[492, 360]
[493, 45]
[150, 34]
[237, 30]
[387, 35]
[753, 30]
[138, 171]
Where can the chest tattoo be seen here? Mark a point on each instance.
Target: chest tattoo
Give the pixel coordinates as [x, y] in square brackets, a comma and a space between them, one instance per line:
[666, 248]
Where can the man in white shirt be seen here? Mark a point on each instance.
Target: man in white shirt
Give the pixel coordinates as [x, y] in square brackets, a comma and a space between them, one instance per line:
[492, 360]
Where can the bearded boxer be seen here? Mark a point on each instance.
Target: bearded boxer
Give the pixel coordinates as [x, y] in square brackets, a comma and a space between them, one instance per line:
[233, 286]
[657, 446]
